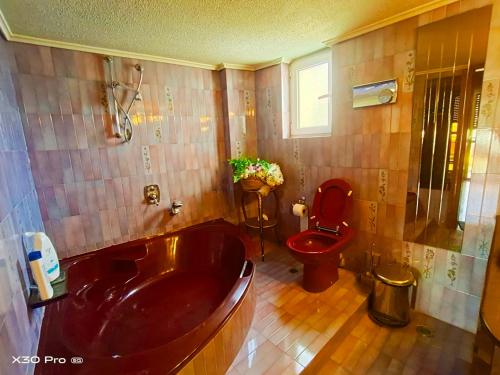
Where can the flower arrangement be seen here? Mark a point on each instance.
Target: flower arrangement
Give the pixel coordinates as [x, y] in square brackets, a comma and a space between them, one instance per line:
[247, 168]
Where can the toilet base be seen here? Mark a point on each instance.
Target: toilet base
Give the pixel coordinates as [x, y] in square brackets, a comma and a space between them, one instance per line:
[319, 277]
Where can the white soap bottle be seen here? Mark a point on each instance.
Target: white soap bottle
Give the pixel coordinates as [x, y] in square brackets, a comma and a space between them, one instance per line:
[42, 281]
[49, 256]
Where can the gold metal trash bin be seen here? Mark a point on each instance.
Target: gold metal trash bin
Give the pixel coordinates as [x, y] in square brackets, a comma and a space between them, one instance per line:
[390, 296]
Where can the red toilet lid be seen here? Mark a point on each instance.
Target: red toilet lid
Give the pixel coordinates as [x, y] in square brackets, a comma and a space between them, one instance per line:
[332, 203]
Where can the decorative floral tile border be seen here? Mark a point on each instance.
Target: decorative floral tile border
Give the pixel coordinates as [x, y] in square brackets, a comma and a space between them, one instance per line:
[170, 101]
[302, 178]
[269, 99]
[488, 102]
[452, 267]
[238, 150]
[407, 254]
[146, 160]
[428, 261]
[296, 150]
[372, 217]
[383, 177]
[157, 131]
[409, 73]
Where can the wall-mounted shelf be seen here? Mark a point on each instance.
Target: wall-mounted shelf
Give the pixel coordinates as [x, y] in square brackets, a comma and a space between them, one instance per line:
[60, 291]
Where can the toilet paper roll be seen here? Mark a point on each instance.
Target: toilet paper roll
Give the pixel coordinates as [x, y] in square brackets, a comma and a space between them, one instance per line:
[299, 209]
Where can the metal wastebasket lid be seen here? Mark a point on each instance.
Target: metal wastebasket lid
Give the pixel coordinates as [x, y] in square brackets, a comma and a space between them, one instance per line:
[394, 274]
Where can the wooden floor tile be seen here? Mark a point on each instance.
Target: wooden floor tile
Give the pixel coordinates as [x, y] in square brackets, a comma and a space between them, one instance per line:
[328, 368]
[291, 325]
[372, 349]
[302, 343]
[293, 369]
[292, 331]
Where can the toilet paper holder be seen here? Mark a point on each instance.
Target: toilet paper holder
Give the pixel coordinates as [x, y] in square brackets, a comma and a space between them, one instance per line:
[301, 200]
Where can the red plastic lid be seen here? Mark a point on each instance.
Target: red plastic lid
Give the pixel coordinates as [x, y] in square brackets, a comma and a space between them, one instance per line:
[332, 203]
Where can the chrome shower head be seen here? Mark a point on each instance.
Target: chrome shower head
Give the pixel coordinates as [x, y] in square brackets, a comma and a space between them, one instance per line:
[139, 68]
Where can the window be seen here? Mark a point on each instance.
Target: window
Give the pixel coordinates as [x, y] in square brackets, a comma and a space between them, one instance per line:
[310, 95]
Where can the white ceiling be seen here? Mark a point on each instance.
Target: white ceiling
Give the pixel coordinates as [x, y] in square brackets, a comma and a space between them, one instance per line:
[201, 31]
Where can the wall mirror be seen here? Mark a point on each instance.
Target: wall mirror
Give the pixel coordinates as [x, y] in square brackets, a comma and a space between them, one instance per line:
[449, 65]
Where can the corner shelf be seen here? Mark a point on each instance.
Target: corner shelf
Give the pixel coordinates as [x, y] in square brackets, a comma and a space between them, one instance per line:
[60, 287]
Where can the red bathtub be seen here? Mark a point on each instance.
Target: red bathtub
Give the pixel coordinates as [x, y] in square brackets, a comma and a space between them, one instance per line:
[148, 306]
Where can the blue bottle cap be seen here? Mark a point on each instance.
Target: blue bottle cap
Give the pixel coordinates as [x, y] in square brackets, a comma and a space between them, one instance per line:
[34, 255]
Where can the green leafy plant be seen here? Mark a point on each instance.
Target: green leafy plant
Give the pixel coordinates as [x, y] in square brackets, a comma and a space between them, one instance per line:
[244, 167]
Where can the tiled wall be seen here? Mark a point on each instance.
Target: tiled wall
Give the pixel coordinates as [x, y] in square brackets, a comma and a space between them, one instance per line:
[240, 129]
[238, 92]
[369, 147]
[90, 186]
[19, 212]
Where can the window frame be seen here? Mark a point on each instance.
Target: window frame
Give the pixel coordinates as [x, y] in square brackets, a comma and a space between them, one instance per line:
[302, 63]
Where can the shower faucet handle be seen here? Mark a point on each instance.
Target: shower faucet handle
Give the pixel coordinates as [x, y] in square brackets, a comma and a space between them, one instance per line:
[176, 207]
[152, 194]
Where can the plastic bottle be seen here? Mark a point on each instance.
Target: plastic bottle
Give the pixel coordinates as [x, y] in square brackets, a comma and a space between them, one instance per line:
[40, 242]
[42, 281]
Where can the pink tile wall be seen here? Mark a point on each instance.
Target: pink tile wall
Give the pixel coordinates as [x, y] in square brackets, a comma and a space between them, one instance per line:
[238, 89]
[19, 213]
[90, 186]
[369, 147]
[365, 143]
[239, 111]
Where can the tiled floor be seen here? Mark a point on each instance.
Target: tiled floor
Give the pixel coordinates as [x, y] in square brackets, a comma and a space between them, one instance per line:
[294, 331]
[291, 325]
[371, 349]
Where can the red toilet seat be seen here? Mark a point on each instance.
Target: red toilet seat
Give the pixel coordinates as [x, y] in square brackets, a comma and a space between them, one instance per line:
[332, 204]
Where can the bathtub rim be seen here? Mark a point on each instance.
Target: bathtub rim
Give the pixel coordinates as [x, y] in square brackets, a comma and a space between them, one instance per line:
[235, 228]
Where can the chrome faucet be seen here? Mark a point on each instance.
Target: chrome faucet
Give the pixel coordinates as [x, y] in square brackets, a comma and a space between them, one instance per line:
[176, 207]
